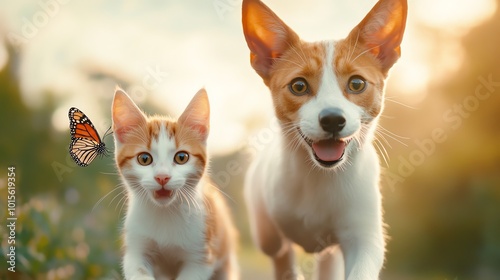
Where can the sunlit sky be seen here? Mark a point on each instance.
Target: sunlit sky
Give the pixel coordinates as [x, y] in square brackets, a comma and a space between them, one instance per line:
[166, 50]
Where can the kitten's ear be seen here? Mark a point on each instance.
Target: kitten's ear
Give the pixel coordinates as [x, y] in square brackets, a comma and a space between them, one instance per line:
[196, 116]
[126, 115]
[382, 31]
[267, 36]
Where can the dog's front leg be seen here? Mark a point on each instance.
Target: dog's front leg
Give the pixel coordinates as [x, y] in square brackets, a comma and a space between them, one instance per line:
[195, 270]
[267, 236]
[329, 264]
[272, 243]
[363, 256]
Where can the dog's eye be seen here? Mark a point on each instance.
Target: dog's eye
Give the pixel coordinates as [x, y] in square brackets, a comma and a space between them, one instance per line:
[299, 86]
[144, 159]
[356, 84]
[181, 157]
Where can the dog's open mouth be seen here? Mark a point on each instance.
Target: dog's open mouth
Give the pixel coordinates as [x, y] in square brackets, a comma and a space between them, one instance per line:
[327, 152]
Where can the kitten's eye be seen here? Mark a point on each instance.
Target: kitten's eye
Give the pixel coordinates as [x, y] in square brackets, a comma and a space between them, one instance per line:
[181, 157]
[356, 84]
[299, 86]
[144, 159]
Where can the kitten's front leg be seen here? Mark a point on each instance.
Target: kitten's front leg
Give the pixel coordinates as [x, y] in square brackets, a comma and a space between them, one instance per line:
[196, 270]
[135, 266]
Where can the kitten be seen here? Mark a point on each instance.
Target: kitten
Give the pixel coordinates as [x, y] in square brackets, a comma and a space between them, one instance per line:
[177, 224]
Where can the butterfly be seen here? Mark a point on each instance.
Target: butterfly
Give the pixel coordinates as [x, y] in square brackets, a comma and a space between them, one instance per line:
[86, 144]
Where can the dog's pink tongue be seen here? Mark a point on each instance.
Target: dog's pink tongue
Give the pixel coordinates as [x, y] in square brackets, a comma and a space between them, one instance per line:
[329, 150]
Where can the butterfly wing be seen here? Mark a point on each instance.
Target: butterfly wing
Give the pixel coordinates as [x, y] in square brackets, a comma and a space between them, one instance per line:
[81, 127]
[84, 151]
[85, 144]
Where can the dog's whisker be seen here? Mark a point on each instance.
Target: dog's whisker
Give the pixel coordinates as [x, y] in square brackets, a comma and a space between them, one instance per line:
[362, 53]
[392, 133]
[296, 52]
[382, 150]
[354, 47]
[288, 60]
[385, 133]
[380, 135]
[400, 103]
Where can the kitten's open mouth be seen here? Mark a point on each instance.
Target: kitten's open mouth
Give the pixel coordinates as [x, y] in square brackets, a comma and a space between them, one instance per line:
[327, 152]
[163, 193]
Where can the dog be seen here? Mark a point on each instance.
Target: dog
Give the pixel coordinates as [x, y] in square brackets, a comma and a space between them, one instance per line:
[316, 184]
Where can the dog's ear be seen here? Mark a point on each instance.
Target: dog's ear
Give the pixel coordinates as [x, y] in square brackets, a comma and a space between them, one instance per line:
[382, 31]
[267, 36]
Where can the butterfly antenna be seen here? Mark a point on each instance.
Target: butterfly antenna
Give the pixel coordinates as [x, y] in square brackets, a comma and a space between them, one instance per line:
[108, 132]
[106, 152]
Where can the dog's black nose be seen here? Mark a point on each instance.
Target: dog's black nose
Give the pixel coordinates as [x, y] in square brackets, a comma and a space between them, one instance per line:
[332, 120]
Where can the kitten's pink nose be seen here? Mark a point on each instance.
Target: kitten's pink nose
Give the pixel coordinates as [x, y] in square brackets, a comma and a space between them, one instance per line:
[162, 179]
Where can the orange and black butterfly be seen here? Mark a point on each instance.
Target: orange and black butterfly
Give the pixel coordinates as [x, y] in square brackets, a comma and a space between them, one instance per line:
[86, 144]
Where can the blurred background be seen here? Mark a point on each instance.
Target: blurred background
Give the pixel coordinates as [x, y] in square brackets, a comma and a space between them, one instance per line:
[439, 140]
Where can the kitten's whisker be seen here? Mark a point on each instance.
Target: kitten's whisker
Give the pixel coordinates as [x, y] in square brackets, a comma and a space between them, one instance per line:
[188, 200]
[122, 201]
[182, 197]
[224, 193]
[191, 193]
[109, 173]
[118, 194]
[106, 195]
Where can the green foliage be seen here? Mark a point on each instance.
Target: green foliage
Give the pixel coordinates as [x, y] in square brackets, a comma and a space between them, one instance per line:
[58, 236]
[52, 242]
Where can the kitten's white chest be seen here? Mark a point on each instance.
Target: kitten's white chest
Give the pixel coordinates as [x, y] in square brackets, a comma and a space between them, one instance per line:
[167, 227]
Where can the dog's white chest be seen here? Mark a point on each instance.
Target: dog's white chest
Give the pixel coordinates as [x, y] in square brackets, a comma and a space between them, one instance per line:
[305, 207]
